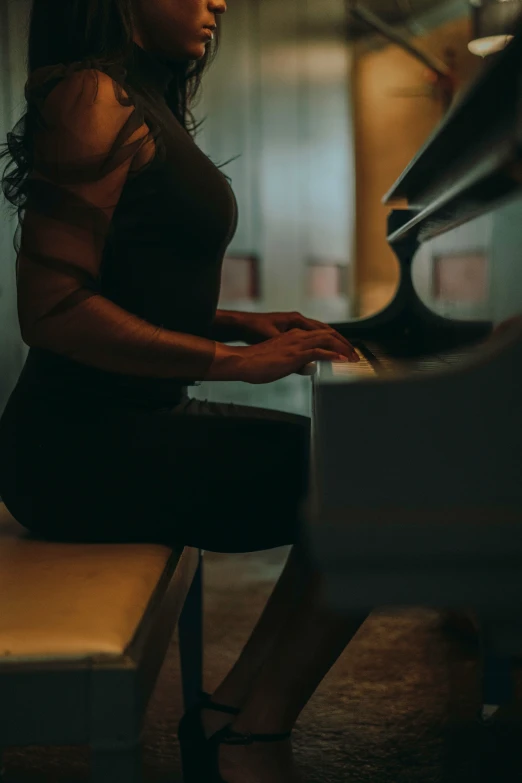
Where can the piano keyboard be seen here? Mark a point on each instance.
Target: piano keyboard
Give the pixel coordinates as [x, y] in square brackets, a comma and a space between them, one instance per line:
[349, 370]
[383, 365]
[344, 370]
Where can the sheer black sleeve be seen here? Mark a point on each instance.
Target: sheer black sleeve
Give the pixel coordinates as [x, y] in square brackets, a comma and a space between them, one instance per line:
[82, 156]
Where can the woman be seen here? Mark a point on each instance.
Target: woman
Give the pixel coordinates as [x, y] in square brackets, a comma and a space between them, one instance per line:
[124, 226]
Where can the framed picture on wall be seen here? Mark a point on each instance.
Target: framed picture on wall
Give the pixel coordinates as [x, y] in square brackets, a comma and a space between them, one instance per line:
[240, 278]
[326, 280]
[461, 278]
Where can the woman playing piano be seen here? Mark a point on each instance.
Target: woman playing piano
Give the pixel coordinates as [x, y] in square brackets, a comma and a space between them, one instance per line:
[124, 225]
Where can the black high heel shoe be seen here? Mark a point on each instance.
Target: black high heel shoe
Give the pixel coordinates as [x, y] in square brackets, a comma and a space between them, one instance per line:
[227, 736]
[193, 742]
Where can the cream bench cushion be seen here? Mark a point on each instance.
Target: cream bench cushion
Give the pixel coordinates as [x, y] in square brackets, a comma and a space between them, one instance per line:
[71, 601]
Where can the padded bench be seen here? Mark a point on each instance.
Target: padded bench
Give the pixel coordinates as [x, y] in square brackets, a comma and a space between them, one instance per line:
[84, 629]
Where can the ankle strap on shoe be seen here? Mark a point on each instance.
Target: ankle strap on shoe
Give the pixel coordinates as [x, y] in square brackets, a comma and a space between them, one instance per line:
[208, 704]
[229, 737]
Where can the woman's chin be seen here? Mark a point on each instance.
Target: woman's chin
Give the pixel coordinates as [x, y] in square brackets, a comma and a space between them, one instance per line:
[197, 51]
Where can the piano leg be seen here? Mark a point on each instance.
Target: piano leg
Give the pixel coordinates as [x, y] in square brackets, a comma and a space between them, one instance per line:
[500, 642]
[497, 685]
[499, 757]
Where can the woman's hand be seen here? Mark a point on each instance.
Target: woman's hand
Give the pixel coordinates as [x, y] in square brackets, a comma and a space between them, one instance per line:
[279, 356]
[257, 327]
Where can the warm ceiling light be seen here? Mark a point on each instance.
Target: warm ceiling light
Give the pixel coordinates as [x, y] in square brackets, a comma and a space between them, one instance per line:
[494, 22]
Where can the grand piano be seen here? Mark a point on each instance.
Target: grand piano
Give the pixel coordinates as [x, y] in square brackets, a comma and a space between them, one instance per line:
[416, 485]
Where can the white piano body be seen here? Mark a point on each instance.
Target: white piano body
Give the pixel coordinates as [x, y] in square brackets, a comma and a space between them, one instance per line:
[416, 493]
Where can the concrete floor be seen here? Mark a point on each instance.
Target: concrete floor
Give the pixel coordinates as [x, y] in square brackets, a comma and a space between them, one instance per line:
[397, 707]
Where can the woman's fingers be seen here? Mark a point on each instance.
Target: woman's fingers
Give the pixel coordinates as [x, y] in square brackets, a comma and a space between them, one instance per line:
[309, 325]
[330, 341]
[321, 338]
[322, 355]
[337, 341]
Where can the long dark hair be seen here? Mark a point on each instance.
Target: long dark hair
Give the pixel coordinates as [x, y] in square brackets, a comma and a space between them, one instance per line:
[68, 31]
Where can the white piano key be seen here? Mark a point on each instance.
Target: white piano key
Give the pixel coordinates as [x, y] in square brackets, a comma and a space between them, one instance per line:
[343, 369]
[353, 369]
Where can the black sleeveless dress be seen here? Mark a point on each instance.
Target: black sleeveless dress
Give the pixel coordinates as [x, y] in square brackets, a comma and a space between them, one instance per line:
[89, 449]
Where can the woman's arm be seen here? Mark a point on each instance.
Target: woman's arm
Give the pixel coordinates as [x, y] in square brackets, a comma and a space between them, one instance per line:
[82, 161]
[227, 326]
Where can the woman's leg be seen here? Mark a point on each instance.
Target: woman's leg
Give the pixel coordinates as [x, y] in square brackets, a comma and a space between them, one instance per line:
[235, 688]
[295, 641]
[305, 649]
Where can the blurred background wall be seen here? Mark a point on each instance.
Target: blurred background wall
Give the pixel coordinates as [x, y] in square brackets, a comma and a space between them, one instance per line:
[279, 95]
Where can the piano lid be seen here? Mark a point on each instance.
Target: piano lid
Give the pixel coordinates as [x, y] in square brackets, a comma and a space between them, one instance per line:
[486, 118]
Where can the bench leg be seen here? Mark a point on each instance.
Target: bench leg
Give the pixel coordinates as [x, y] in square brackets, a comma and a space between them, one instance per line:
[113, 763]
[190, 631]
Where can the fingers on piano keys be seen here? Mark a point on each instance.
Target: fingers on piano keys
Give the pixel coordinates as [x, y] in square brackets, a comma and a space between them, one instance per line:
[309, 369]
